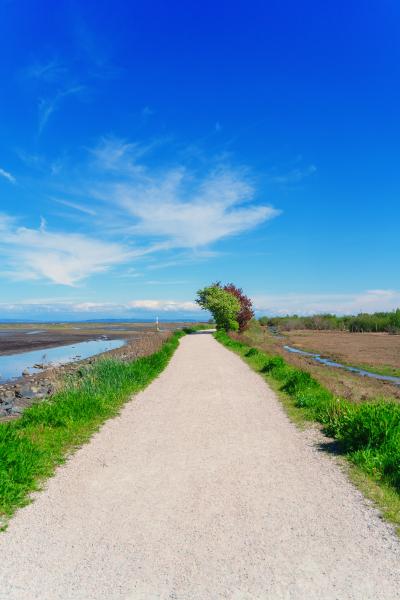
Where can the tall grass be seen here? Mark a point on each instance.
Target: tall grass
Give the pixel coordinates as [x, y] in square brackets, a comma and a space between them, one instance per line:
[369, 433]
[41, 439]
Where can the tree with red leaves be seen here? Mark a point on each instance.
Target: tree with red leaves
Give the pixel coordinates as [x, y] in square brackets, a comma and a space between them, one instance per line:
[246, 312]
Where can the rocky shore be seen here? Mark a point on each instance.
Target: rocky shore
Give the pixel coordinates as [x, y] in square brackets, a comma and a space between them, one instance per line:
[29, 389]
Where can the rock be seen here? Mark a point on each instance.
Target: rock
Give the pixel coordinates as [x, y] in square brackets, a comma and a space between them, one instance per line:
[25, 373]
[27, 392]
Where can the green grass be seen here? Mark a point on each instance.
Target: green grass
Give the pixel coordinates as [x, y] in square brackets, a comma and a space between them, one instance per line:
[193, 328]
[368, 433]
[33, 446]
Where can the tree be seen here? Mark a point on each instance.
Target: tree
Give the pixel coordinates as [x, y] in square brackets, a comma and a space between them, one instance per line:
[223, 306]
[246, 312]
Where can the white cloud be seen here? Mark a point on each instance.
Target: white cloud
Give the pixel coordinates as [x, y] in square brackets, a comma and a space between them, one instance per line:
[175, 205]
[164, 305]
[307, 304]
[7, 175]
[63, 258]
[76, 206]
[105, 309]
[93, 306]
[119, 197]
[186, 218]
[135, 305]
[120, 157]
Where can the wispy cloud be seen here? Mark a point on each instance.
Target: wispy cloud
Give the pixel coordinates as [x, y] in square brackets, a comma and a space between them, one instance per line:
[307, 304]
[117, 155]
[48, 71]
[176, 204]
[7, 175]
[47, 106]
[59, 257]
[76, 206]
[170, 210]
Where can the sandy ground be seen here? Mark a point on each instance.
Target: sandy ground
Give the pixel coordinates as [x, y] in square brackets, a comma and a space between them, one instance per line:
[200, 489]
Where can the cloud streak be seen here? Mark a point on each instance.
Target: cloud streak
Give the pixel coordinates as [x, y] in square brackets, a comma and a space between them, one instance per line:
[47, 106]
[50, 71]
[7, 175]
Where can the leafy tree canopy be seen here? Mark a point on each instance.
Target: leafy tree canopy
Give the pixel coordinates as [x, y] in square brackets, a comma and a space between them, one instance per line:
[223, 306]
[246, 312]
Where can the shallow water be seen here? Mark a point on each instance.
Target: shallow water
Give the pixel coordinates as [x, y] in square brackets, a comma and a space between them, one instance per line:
[330, 363]
[35, 332]
[12, 365]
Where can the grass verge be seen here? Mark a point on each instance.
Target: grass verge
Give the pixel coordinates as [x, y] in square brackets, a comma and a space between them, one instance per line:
[194, 328]
[368, 433]
[33, 446]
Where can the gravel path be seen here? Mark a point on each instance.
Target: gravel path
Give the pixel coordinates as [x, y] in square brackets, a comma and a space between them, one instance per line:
[200, 490]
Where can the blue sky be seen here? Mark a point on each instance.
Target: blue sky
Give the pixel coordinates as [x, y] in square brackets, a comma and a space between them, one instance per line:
[148, 149]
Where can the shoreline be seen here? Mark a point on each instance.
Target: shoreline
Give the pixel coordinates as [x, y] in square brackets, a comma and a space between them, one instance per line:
[18, 394]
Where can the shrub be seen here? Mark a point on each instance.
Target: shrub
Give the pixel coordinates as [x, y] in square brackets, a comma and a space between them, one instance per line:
[246, 312]
[364, 322]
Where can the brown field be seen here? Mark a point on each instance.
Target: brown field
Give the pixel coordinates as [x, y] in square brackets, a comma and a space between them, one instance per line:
[379, 351]
[372, 349]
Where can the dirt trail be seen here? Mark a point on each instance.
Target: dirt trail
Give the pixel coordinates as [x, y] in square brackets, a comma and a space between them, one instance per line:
[200, 490]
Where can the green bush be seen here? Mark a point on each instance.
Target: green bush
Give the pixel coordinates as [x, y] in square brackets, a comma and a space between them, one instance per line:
[275, 362]
[252, 352]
